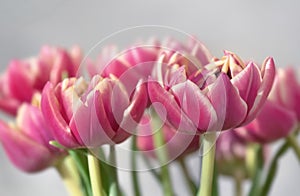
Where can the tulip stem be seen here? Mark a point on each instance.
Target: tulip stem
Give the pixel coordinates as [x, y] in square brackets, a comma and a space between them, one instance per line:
[162, 155]
[215, 191]
[256, 167]
[238, 185]
[190, 183]
[81, 163]
[69, 174]
[291, 139]
[154, 173]
[113, 161]
[95, 175]
[207, 167]
[273, 169]
[134, 174]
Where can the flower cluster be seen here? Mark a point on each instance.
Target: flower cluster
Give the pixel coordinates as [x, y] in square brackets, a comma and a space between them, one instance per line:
[164, 97]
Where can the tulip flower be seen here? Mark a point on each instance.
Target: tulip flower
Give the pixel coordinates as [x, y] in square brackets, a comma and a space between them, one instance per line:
[89, 116]
[286, 90]
[26, 142]
[280, 114]
[176, 143]
[273, 122]
[23, 78]
[139, 60]
[222, 95]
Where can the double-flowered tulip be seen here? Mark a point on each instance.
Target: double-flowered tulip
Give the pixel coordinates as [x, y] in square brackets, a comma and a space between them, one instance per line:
[24, 78]
[84, 115]
[280, 114]
[224, 94]
[139, 60]
[26, 142]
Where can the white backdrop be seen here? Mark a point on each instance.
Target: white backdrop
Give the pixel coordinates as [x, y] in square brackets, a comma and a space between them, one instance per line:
[254, 29]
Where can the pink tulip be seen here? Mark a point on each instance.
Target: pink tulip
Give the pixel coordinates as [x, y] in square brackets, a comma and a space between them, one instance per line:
[140, 59]
[101, 113]
[177, 143]
[273, 122]
[222, 95]
[27, 141]
[23, 78]
[286, 90]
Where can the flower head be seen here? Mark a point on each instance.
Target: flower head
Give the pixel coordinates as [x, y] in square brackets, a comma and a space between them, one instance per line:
[24, 78]
[84, 115]
[222, 95]
[26, 141]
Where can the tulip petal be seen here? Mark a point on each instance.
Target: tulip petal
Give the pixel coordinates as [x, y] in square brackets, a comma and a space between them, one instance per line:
[166, 106]
[268, 74]
[286, 91]
[20, 81]
[230, 107]
[25, 153]
[32, 123]
[90, 123]
[51, 110]
[195, 105]
[268, 126]
[133, 114]
[248, 82]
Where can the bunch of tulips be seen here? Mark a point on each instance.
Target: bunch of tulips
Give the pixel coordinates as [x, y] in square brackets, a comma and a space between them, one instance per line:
[169, 99]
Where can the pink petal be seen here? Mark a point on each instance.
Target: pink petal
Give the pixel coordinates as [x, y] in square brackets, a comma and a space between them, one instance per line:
[90, 123]
[20, 81]
[286, 90]
[230, 107]
[248, 82]
[51, 110]
[268, 74]
[62, 65]
[268, 126]
[166, 106]
[133, 114]
[195, 105]
[26, 154]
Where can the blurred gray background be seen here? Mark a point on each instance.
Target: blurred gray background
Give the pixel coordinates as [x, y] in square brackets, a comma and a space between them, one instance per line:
[254, 29]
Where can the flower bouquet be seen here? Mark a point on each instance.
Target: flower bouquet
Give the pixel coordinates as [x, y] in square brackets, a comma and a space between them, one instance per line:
[155, 104]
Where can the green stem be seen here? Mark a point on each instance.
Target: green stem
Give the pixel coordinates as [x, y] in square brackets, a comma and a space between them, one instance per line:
[155, 174]
[190, 183]
[257, 168]
[113, 161]
[134, 174]
[69, 174]
[208, 160]
[95, 175]
[273, 169]
[215, 191]
[162, 155]
[82, 169]
[238, 185]
[291, 139]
